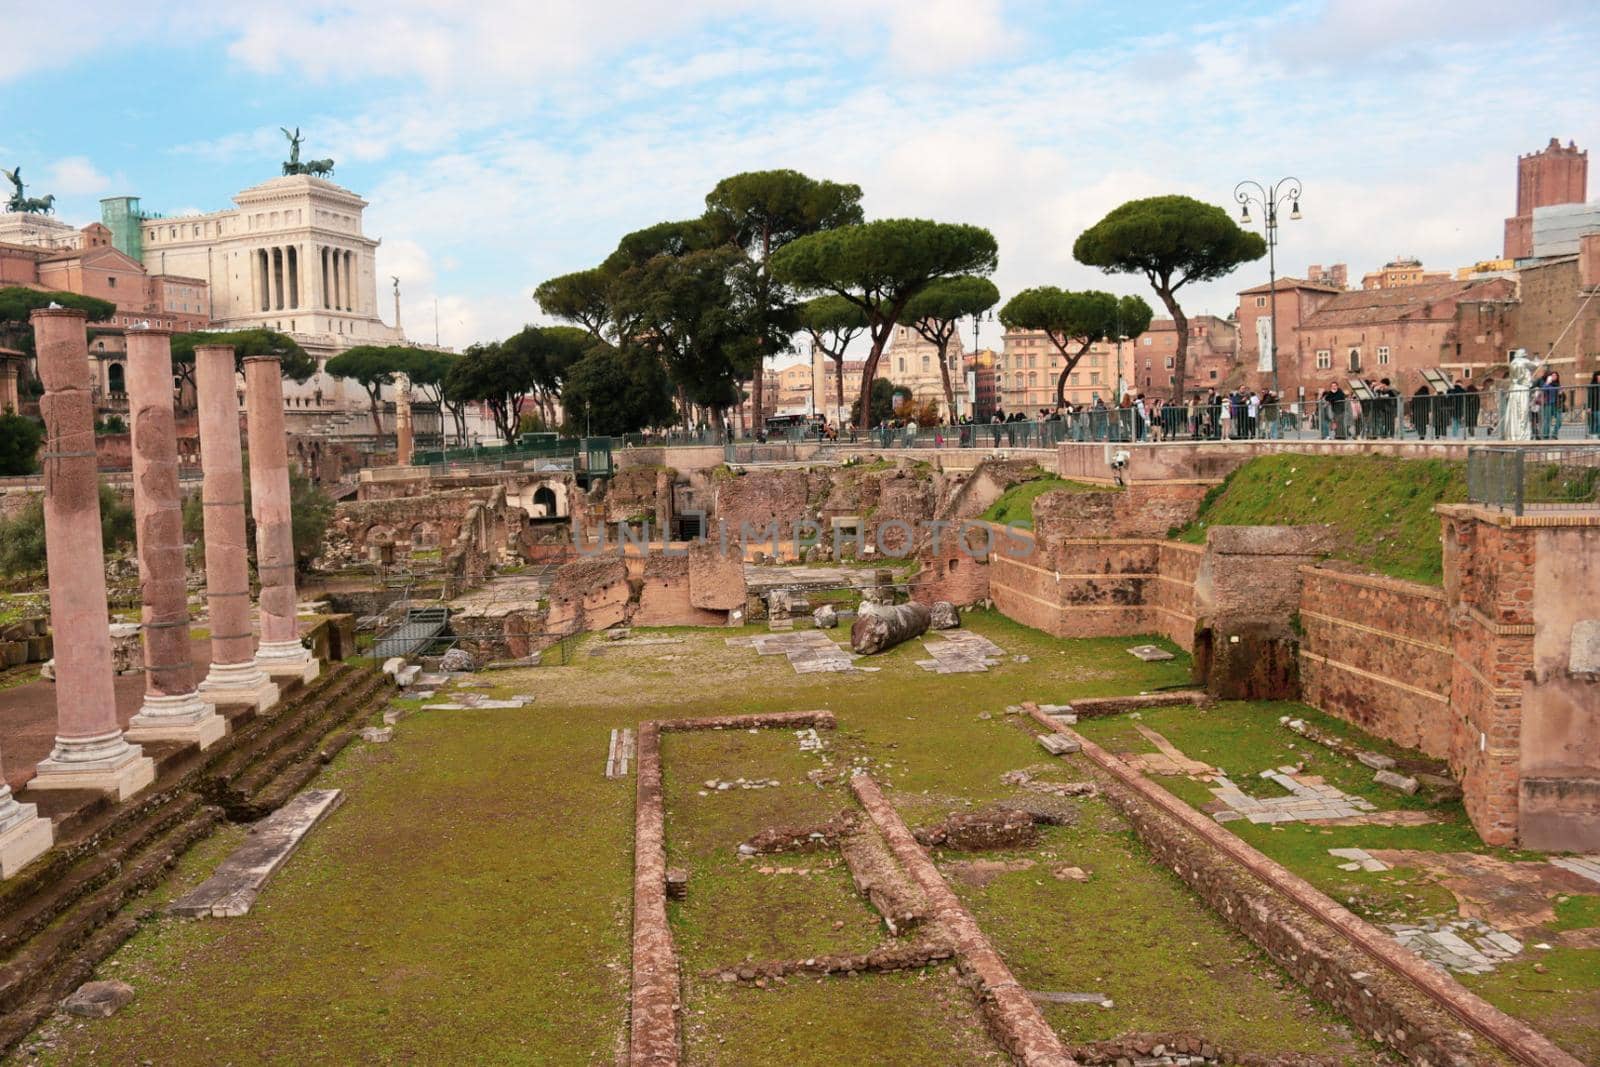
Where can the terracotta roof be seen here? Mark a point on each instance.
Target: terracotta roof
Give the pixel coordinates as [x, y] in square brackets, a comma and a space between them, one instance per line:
[1361, 306]
[1292, 283]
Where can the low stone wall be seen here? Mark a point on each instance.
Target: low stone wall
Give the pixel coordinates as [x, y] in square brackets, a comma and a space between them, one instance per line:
[1376, 652]
[1395, 997]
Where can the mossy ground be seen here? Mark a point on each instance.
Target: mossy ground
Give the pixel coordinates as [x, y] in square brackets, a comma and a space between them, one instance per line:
[1245, 738]
[1016, 503]
[1380, 507]
[472, 898]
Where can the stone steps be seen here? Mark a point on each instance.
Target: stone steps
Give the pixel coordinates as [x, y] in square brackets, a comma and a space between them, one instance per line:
[272, 765]
[56, 959]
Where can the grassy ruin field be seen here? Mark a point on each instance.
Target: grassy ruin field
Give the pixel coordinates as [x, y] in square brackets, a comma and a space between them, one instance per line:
[472, 898]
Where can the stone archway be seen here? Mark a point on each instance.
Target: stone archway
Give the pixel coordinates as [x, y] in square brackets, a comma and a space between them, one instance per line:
[546, 503]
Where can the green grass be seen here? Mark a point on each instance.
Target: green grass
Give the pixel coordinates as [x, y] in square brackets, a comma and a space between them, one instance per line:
[1579, 912]
[1016, 503]
[1380, 508]
[472, 898]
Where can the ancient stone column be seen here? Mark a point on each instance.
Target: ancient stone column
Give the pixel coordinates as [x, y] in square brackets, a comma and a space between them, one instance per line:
[90, 751]
[23, 835]
[402, 421]
[172, 710]
[280, 655]
[234, 677]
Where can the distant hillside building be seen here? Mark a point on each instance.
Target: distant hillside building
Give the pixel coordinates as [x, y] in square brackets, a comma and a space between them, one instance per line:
[1554, 176]
[1402, 270]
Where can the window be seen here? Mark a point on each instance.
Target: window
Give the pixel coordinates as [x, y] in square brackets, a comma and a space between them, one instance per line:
[1261, 301]
[1355, 359]
[902, 363]
[1033, 360]
[1213, 375]
[1094, 378]
[112, 282]
[1324, 359]
[1466, 372]
[1147, 342]
[924, 364]
[1033, 379]
[1169, 362]
[1383, 355]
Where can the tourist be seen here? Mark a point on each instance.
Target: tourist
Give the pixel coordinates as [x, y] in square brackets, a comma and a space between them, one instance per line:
[1421, 403]
[1252, 415]
[1550, 406]
[1471, 406]
[1454, 407]
[1338, 409]
[1594, 404]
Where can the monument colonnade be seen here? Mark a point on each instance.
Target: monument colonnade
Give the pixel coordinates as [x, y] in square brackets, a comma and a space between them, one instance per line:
[303, 277]
[92, 751]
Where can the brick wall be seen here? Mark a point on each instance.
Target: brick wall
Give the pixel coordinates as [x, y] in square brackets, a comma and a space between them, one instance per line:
[1376, 652]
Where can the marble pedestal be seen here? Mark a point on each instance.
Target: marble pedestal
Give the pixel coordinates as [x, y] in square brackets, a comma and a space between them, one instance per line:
[105, 764]
[287, 661]
[24, 837]
[181, 717]
[239, 683]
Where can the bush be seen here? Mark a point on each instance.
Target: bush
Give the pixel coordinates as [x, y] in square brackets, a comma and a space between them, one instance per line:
[110, 424]
[310, 512]
[19, 444]
[22, 547]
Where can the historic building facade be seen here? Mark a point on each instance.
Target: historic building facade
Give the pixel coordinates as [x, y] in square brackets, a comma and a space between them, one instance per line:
[1553, 176]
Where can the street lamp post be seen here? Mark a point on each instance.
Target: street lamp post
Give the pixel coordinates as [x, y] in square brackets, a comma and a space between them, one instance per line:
[972, 375]
[1270, 198]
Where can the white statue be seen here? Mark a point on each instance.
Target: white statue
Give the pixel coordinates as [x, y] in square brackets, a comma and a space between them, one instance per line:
[1517, 425]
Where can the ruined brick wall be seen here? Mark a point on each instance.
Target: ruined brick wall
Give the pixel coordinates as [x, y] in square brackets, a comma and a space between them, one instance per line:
[1170, 598]
[1376, 652]
[956, 570]
[1140, 510]
[665, 585]
[1079, 587]
[759, 498]
[642, 493]
[429, 521]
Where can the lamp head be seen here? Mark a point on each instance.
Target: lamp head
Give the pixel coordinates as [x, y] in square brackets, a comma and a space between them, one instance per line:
[1294, 212]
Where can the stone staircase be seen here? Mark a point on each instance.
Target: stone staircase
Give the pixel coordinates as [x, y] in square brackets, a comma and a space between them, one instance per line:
[64, 914]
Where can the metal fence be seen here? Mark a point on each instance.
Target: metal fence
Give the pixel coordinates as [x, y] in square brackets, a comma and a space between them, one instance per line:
[1516, 478]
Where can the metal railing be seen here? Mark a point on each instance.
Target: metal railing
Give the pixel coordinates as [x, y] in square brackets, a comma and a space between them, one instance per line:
[1516, 478]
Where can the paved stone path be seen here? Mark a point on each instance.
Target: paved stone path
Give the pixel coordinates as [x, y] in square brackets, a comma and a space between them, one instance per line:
[1309, 798]
[808, 651]
[1468, 946]
[960, 652]
[1168, 759]
[1586, 866]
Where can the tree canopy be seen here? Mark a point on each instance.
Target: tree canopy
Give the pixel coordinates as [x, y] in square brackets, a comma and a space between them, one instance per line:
[1073, 321]
[17, 303]
[20, 438]
[1171, 240]
[761, 212]
[880, 266]
[936, 313]
[372, 367]
[295, 363]
[582, 297]
[616, 391]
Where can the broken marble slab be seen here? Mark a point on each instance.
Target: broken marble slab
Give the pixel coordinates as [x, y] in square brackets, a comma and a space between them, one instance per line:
[1150, 653]
[1058, 744]
[232, 890]
[474, 702]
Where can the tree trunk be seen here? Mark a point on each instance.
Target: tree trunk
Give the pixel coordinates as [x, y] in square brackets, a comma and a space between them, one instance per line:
[1068, 365]
[377, 416]
[944, 372]
[1180, 322]
[839, 384]
[868, 372]
[885, 627]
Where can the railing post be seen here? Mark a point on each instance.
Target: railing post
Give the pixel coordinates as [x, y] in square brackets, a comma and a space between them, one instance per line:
[1517, 469]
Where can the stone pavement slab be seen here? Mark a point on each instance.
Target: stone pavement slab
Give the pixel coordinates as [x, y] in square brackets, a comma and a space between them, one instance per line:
[233, 888]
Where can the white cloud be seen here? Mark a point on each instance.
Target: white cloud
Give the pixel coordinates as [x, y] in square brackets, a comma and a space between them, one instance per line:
[76, 176]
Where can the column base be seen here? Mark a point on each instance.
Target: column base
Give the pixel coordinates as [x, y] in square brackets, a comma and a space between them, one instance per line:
[238, 683]
[184, 717]
[104, 764]
[288, 661]
[24, 837]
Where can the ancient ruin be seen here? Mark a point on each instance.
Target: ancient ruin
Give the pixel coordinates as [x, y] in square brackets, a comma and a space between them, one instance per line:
[978, 755]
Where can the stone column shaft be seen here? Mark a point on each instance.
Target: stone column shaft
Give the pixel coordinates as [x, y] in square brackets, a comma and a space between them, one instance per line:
[172, 710]
[403, 435]
[90, 751]
[281, 655]
[234, 677]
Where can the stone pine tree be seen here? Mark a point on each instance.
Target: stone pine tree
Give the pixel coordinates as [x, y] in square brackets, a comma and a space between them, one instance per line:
[832, 322]
[1073, 321]
[294, 362]
[372, 367]
[936, 314]
[880, 266]
[582, 297]
[1172, 241]
[762, 212]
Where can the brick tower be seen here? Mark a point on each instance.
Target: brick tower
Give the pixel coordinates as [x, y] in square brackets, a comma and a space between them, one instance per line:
[1556, 175]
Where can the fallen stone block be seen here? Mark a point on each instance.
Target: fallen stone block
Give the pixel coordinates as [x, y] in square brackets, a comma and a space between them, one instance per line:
[406, 676]
[943, 616]
[1392, 780]
[1058, 744]
[1099, 1000]
[98, 1000]
[1150, 653]
[826, 617]
[232, 889]
[457, 659]
[1376, 761]
[677, 883]
[392, 665]
[377, 735]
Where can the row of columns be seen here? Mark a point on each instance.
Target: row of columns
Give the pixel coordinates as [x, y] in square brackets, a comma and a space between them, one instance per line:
[91, 749]
[281, 284]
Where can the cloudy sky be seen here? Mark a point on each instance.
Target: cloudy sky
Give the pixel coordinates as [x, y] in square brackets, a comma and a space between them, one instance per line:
[502, 143]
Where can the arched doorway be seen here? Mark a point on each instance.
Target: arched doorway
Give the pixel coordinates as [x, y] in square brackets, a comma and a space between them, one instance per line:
[116, 382]
[544, 502]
